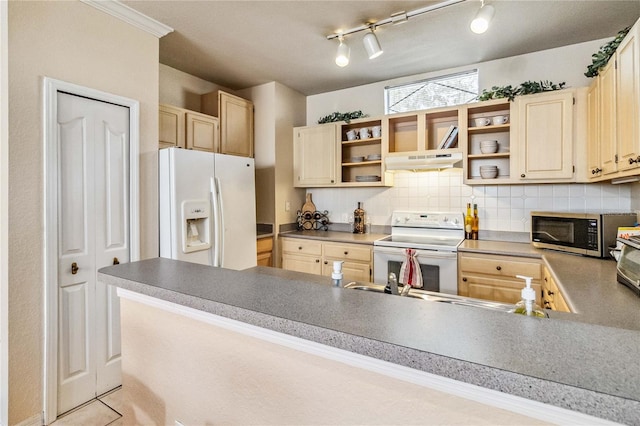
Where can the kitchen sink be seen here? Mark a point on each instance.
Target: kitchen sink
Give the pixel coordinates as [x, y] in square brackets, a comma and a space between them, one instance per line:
[432, 296]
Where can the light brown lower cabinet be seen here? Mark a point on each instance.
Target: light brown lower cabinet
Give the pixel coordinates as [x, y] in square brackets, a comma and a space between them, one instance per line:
[551, 296]
[317, 257]
[265, 251]
[493, 277]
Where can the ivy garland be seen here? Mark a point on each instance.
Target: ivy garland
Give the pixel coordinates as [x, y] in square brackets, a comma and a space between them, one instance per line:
[339, 116]
[526, 88]
[602, 56]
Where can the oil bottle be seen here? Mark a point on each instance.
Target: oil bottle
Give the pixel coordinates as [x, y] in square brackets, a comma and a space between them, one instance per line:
[468, 222]
[475, 223]
[358, 220]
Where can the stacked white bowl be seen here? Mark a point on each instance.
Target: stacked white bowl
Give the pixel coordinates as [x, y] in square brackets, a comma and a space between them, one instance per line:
[488, 172]
[488, 147]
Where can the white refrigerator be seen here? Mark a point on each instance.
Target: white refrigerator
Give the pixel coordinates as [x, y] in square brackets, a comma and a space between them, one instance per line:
[207, 208]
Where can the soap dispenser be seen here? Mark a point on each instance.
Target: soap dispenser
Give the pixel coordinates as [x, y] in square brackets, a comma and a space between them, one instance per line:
[527, 306]
[336, 275]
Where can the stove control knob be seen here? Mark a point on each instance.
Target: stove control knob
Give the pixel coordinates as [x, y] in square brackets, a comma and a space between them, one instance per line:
[455, 221]
[445, 219]
[406, 219]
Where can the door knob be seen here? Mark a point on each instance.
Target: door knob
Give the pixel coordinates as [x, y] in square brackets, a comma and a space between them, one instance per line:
[116, 261]
[74, 268]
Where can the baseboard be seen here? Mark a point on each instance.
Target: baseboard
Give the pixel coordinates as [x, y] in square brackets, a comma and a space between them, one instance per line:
[35, 420]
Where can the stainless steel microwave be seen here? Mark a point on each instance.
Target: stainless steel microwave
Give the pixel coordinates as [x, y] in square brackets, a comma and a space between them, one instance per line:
[589, 234]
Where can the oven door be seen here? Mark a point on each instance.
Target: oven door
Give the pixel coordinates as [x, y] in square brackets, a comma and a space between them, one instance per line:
[439, 268]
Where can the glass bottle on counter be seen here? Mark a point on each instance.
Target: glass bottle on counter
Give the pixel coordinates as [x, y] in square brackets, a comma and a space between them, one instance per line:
[475, 223]
[468, 222]
[358, 220]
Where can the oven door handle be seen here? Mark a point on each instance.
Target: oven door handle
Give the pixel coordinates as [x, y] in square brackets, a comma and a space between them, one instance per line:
[433, 254]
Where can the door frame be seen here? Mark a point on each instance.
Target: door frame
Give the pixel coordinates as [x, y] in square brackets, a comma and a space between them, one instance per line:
[51, 87]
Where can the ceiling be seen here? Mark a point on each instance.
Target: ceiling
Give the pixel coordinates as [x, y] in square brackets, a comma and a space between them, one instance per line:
[239, 44]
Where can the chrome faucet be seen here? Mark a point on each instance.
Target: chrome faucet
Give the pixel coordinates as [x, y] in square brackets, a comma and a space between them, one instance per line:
[392, 283]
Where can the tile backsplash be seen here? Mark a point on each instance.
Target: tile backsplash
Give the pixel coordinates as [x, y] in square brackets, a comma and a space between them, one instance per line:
[500, 207]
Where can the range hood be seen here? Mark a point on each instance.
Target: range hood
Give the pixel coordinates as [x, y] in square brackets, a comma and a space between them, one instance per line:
[417, 162]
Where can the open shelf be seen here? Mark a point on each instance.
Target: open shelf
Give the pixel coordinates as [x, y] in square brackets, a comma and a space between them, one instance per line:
[361, 148]
[501, 133]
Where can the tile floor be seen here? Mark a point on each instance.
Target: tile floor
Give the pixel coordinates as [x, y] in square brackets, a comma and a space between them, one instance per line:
[105, 410]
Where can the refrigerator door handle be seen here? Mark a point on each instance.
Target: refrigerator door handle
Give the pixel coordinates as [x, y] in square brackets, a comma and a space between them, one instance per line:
[217, 225]
[221, 223]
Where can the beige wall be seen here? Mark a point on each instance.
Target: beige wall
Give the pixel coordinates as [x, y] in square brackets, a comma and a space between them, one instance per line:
[567, 63]
[181, 369]
[183, 90]
[74, 42]
[277, 110]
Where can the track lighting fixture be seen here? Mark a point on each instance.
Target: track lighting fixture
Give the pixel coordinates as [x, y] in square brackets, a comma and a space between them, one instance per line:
[342, 57]
[480, 23]
[371, 45]
[370, 41]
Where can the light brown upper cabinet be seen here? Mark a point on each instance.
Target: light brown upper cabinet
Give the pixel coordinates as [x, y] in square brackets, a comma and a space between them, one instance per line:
[615, 121]
[172, 124]
[544, 132]
[314, 156]
[235, 115]
[187, 129]
[202, 132]
[594, 169]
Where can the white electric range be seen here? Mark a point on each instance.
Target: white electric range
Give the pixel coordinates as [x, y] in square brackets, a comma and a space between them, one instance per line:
[434, 235]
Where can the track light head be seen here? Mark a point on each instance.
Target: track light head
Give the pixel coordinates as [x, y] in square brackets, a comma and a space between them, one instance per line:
[371, 45]
[342, 56]
[480, 23]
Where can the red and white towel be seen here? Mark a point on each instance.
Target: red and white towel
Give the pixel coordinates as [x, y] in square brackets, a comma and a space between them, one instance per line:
[410, 273]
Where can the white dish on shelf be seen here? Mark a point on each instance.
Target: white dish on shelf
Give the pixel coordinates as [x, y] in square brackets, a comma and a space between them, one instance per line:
[374, 157]
[357, 159]
[368, 178]
[482, 121]
[489, 147]
[488, 172]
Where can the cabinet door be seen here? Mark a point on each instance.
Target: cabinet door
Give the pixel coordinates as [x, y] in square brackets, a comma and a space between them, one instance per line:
[302, 263]
[607, 77]
[236, 125]
[545, 136]
[497, 290]
[593, 130]
[314, 156]
[202, 132]
[627, 99]
[171, 126]
[264, 252]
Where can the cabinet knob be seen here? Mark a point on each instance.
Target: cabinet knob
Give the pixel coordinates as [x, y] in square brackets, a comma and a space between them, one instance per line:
[464, 279]
[523, 175]
[346, 253]
[317, 260]
[634, 160]
[74, 268]
[499, 268]
[550, 293]
[596, 170]
[326, 263]
[300, 248]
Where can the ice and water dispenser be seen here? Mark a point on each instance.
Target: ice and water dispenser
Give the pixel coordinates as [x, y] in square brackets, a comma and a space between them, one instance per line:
[196, 222]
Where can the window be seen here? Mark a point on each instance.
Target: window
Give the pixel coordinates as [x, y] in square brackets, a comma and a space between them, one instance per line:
[447, 90]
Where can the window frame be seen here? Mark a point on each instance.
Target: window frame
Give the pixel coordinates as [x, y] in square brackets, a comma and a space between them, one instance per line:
[427, 80]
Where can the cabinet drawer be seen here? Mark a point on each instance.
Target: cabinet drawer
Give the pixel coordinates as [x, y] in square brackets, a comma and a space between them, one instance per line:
[489, 288]
[302, 263]
[347, 252]
[302, 246]
[264, 244]
[503, 266]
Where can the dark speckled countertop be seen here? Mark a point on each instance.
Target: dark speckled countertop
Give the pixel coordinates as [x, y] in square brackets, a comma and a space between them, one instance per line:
[582, 367]
[588, 284]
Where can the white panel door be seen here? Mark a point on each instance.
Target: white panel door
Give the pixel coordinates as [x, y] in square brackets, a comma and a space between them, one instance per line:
[93, 223]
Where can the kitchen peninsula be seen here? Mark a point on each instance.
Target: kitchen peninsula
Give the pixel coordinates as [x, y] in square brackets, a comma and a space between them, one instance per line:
[586, 368]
